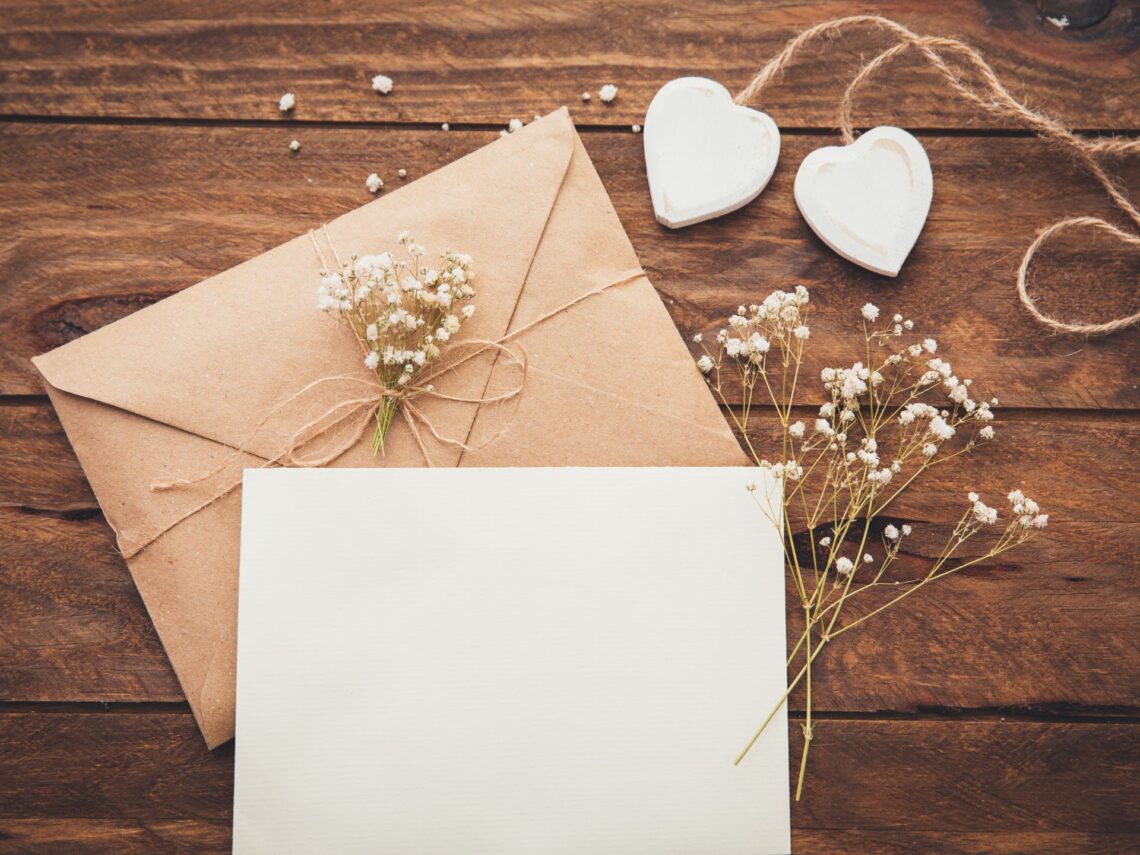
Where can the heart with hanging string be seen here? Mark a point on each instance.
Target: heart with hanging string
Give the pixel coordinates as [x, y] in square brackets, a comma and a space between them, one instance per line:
[708, 153]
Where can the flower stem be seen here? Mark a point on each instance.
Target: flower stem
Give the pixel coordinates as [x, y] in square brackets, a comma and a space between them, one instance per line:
[384, 415]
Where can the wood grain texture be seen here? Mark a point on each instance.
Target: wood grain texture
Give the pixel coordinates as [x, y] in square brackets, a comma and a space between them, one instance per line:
[104, 220]
[145, 837]
[994, 713]
[886, 784]
[479, 62]
[1047, 630]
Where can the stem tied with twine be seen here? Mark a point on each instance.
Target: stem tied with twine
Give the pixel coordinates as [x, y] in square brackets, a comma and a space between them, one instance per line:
[344, 424]
[985, 90]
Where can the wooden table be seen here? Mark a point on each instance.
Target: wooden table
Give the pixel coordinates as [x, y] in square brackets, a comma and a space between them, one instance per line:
[141, 150]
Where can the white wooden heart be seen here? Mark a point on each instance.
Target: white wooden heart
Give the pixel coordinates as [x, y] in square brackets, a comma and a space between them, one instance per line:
[705, 156]
[868, 201]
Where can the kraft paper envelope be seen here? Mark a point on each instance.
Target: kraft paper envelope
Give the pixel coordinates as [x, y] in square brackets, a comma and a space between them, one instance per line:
[538, 661]
[182, 387]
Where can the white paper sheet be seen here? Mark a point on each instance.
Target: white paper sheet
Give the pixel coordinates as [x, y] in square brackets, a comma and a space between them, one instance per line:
[509, 661]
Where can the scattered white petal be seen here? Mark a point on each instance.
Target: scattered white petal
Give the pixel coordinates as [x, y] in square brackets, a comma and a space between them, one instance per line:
[1059, 23]
[382, 84]
[445, 126]
[585, 96]
[514, 125]
[295, 145]
[288, 102]
[607, 93]
[374, 183]
[402, 173]
[635, 128]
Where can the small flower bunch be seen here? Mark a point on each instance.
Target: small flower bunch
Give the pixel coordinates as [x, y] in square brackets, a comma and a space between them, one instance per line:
[886, 419]
[402, 312]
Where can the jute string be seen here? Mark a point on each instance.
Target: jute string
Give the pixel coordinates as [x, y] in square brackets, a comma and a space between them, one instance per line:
[991, 95]
[355, 414]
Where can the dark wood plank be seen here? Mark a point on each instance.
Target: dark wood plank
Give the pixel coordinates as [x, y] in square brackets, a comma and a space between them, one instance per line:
[1011, 785]
[113, 836]
[100, 221]
[140, 837]
[475, 62]
[1048, 628]
[837, 842]
[72, 616]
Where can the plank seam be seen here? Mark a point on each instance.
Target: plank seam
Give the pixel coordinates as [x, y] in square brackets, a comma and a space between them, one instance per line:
[203, 122]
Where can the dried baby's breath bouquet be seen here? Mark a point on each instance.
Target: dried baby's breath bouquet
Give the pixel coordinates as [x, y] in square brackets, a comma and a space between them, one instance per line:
[886, 420]
[402, 312]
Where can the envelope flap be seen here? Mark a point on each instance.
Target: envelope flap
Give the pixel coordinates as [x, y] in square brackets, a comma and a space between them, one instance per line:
[217, 358]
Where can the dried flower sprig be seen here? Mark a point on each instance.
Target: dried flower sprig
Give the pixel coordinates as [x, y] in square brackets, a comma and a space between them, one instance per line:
[402, 313]
[886, 420]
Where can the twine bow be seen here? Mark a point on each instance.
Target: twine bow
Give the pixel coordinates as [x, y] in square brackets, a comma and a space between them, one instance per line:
[348, 419]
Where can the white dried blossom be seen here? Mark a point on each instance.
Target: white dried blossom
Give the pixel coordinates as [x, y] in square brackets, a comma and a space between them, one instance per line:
[929, 345]
[825, 541]
[940, 428]
[288, 102]
[844, 566]
[705, 364]
[399, 310]
[374, 183]
[890, 532]
[382, 83]
[607, 93]
[870, 311]
[983, 513]
[986, 432]
[796, 429]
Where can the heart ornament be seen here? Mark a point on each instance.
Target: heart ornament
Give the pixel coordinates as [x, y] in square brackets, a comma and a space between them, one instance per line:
[868, 201]
[705, 156]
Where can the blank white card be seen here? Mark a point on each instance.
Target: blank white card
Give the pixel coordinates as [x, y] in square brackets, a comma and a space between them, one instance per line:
[509, 661]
